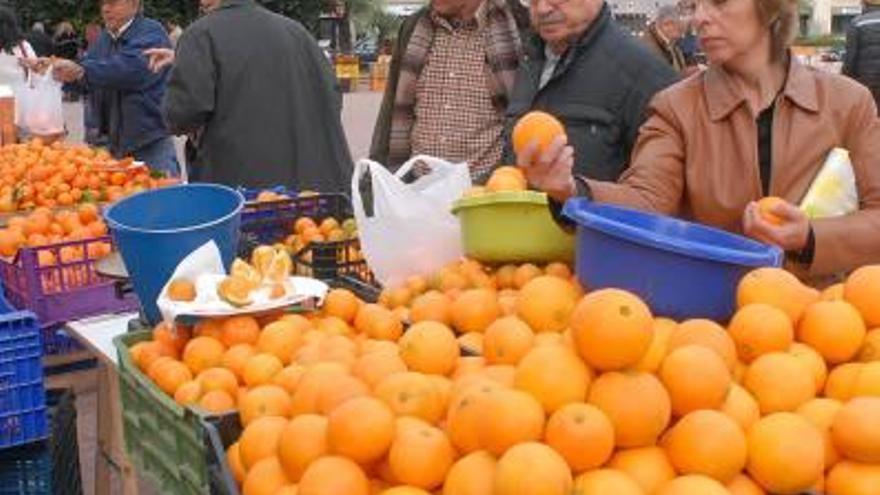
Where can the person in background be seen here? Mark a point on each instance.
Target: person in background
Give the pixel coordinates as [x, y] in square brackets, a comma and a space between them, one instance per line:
[663, 35]
[597, 79]
[265, 101]
[125, 95]
[862, 59]
[40, 41]
[450, 80]
[174, 32]
[756, 123]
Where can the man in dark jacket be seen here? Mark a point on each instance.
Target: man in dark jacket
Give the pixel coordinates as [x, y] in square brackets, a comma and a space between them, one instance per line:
[125, 96]
[257, 88]
[662, 36]
[862, 61]
[595, 78]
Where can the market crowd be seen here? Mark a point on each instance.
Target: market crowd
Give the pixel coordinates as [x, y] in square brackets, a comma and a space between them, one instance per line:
[649, 124]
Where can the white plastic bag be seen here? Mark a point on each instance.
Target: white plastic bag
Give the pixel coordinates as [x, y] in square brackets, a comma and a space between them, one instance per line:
[39, 108]
[833, 192]
[412, 230]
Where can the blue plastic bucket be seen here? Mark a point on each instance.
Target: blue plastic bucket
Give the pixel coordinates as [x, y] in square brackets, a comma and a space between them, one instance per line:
[155, 230]
[681, 269]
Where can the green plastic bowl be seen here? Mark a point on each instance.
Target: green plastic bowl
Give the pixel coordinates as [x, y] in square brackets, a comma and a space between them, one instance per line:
[512, 227]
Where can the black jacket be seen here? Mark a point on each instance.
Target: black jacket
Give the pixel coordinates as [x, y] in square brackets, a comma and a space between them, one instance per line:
[862, 61]
[599, 91]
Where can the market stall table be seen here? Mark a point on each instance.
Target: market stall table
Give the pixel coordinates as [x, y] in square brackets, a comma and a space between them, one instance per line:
[97, 335]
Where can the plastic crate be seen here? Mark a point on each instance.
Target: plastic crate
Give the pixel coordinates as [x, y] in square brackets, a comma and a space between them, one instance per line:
[165, 441]
[63, 290]
[22, 398]
[50, 467]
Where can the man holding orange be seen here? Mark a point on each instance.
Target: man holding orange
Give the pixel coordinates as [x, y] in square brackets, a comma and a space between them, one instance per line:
[584, 69]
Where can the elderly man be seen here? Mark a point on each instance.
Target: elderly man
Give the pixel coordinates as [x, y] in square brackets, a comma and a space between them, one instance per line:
[663, 34]
[257, 89]
[862, 61]
[585, 70]
[125, 95]
[451, 77]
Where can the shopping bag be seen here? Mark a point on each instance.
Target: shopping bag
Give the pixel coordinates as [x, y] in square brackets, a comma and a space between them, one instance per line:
[833, 192]
[412, 230]
[39, 108]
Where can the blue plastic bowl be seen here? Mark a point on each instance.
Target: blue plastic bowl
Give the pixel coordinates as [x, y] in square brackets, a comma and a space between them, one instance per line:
[155, 230]
[681, 269]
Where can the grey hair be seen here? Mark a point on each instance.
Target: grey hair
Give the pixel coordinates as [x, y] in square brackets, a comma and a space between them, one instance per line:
[668, 13]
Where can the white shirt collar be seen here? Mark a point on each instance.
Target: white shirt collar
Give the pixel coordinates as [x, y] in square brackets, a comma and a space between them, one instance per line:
[122, 29]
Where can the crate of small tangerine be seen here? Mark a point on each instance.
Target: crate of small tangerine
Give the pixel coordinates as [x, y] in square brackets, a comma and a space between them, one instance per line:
[48, 265]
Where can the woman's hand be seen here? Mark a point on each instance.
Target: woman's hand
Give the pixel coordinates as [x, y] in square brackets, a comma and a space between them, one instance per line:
[159, 58]
[550, 171]
[791, 235]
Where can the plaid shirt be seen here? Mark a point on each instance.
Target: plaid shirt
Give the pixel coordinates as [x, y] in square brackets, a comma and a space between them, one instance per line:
[455, 117]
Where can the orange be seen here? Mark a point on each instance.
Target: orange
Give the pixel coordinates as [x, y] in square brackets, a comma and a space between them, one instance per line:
[511, 417]
[361, 429]
[779, 382]
[842, 381]
[474, 310]
[265, 400]
[233, 457]
[507, 340]
[546, 303]
[259, 440]
[637, 405]
[758, 329]
[821, 413]
[656, 353]
[202, 353]
[741, 407]
[421, 456]
[708, 334]
[264, 478]
[236, 357]
[862, 290]
[281, 339]
[690, 391]
[181, 290]
[473, 474]
[813, 360]
[785, 453]
[554, 376]
[582, 434]
[301, 442]
[539, 128]
[776, 287]
[852, 478]
[870, 350]
[767, 206]
[188, 394]
[834, 329]
[411, 394]
[240, 330]
[602, 481]
[693, 484]
[217, 402]
[647, 466]
[433, 306]
[333, 475]
[709, 443]
[260, 369]
[218, 379]
[532, 468]
[375, 367]
[525, 274]
[172, 376]
[612, 329]
[856, 430]
[743, 485]
[429, 347]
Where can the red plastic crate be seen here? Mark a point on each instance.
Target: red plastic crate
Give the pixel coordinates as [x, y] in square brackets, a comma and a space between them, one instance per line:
[66, 286]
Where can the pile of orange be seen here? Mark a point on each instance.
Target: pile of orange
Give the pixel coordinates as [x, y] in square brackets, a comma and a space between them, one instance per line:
[572, 393]
[34, 174]
[44, 227]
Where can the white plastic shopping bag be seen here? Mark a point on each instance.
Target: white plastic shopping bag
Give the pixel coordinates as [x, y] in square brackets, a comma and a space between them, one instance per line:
[412, 230]
[39, 108]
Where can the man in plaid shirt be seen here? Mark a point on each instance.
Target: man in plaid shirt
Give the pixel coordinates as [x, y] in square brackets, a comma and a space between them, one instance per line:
[451, 77]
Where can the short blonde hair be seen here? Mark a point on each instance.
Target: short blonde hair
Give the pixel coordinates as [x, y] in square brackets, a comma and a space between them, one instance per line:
[781, 17]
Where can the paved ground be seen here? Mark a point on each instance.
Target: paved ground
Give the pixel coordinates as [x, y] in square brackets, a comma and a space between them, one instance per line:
[360, 110]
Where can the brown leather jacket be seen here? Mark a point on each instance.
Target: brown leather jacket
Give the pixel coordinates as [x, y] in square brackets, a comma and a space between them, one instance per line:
[697, 157]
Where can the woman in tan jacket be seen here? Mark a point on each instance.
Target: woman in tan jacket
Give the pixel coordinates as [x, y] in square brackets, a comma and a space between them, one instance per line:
[756, 123]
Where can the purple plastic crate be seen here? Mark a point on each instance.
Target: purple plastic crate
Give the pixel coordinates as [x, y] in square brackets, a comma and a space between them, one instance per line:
[59, 282]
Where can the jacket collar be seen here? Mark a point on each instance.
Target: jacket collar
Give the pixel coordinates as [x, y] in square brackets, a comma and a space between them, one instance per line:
[723, 97]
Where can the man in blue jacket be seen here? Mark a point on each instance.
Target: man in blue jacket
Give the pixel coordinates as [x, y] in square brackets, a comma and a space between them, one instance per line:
[126, 95]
